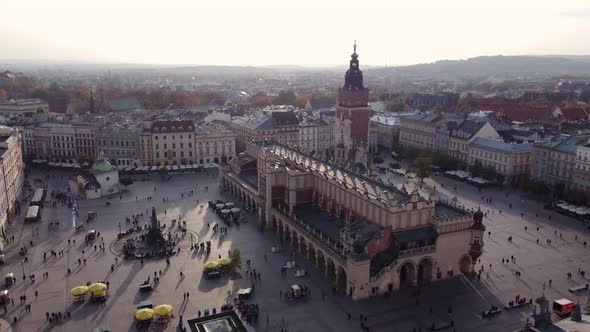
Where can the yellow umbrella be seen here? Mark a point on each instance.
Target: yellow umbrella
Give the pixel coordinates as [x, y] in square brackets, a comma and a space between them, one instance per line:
[210, 265]
[144, 314]
[99, 286]
[99, 292]
[224, 261]
[163, 310]
[80, 290]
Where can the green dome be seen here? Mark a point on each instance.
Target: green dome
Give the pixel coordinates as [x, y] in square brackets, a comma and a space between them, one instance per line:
[102, 166]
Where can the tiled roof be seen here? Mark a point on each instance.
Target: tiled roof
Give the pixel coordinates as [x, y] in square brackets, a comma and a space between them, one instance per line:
[322, 103]
[517, 132]
[285, 118]
[501, 146]
[468, 127]
[170, 126]
[569, 145]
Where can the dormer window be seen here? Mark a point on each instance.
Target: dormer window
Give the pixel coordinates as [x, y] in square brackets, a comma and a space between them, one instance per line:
[190, 128]
[179, 128]
[173, 128]
[156, 129]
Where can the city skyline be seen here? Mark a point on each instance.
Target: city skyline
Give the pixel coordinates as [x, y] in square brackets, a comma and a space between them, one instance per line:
[263, 33]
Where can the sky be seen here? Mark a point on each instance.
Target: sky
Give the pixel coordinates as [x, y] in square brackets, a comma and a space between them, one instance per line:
[297, 32]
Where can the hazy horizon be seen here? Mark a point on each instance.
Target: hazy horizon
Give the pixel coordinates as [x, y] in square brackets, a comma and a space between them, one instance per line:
[265, 33]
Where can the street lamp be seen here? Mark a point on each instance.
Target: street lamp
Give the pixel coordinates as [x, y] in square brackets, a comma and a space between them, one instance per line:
[119, 227]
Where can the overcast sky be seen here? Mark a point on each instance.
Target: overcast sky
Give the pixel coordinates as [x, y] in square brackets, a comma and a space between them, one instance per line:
[298, 32]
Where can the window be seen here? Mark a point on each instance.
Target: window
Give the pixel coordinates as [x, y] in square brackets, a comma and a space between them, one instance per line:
[165, 146]
[157, 154]
[157, 146]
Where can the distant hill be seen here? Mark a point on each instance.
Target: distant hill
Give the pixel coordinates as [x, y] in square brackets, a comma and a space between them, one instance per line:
[494, 66]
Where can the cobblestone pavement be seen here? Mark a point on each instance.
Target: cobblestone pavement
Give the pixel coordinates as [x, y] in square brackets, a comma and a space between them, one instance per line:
[399, 312]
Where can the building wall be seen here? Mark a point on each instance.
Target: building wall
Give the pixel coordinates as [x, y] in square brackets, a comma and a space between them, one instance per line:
[173, 148]
[581, 175]
[213, 147]
[13, 170]
[510, 164]
[63, 144]
[417, 134]
[145, 148]
[85, 141]
[121, 146]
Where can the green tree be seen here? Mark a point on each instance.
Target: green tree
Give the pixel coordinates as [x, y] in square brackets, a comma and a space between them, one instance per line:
[396, 106]
[476, 169]
[559, 190]
[423, 164]
[489, 173]
[236, 261]
[576, 197]
[285, 97]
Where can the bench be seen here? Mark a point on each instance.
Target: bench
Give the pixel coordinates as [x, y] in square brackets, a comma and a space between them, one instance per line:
[442, 326]
[578, 288]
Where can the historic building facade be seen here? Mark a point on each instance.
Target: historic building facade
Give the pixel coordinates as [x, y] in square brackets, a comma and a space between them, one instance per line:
[173, 142]
[366, 237]
[12, 173]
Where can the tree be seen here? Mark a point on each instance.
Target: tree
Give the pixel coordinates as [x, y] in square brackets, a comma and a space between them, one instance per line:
[235, 261]
[489, 173]
[559, 190]
[476, 169]
[576, 197]
[396, 106]
[285, 97]
[423, 164]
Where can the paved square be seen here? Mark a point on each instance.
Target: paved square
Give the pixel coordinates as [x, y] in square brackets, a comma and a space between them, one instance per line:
[399, 312]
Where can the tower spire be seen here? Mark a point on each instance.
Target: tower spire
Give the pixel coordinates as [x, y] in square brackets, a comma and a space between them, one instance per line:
[354, 47]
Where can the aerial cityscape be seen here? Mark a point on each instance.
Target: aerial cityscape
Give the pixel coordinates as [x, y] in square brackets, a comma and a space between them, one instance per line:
[285, 183]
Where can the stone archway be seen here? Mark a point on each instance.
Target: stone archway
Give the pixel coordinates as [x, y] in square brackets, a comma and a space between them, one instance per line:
[287, 234]
[466, 264]
[311, 256]
[407, 274]
[295, 241]
[425, 270]
[331, 270]
[302, 246]
[281, 230]
[321, 262]
[341, 279]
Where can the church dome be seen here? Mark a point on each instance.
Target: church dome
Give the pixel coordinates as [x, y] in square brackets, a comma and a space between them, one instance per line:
[101, 166]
